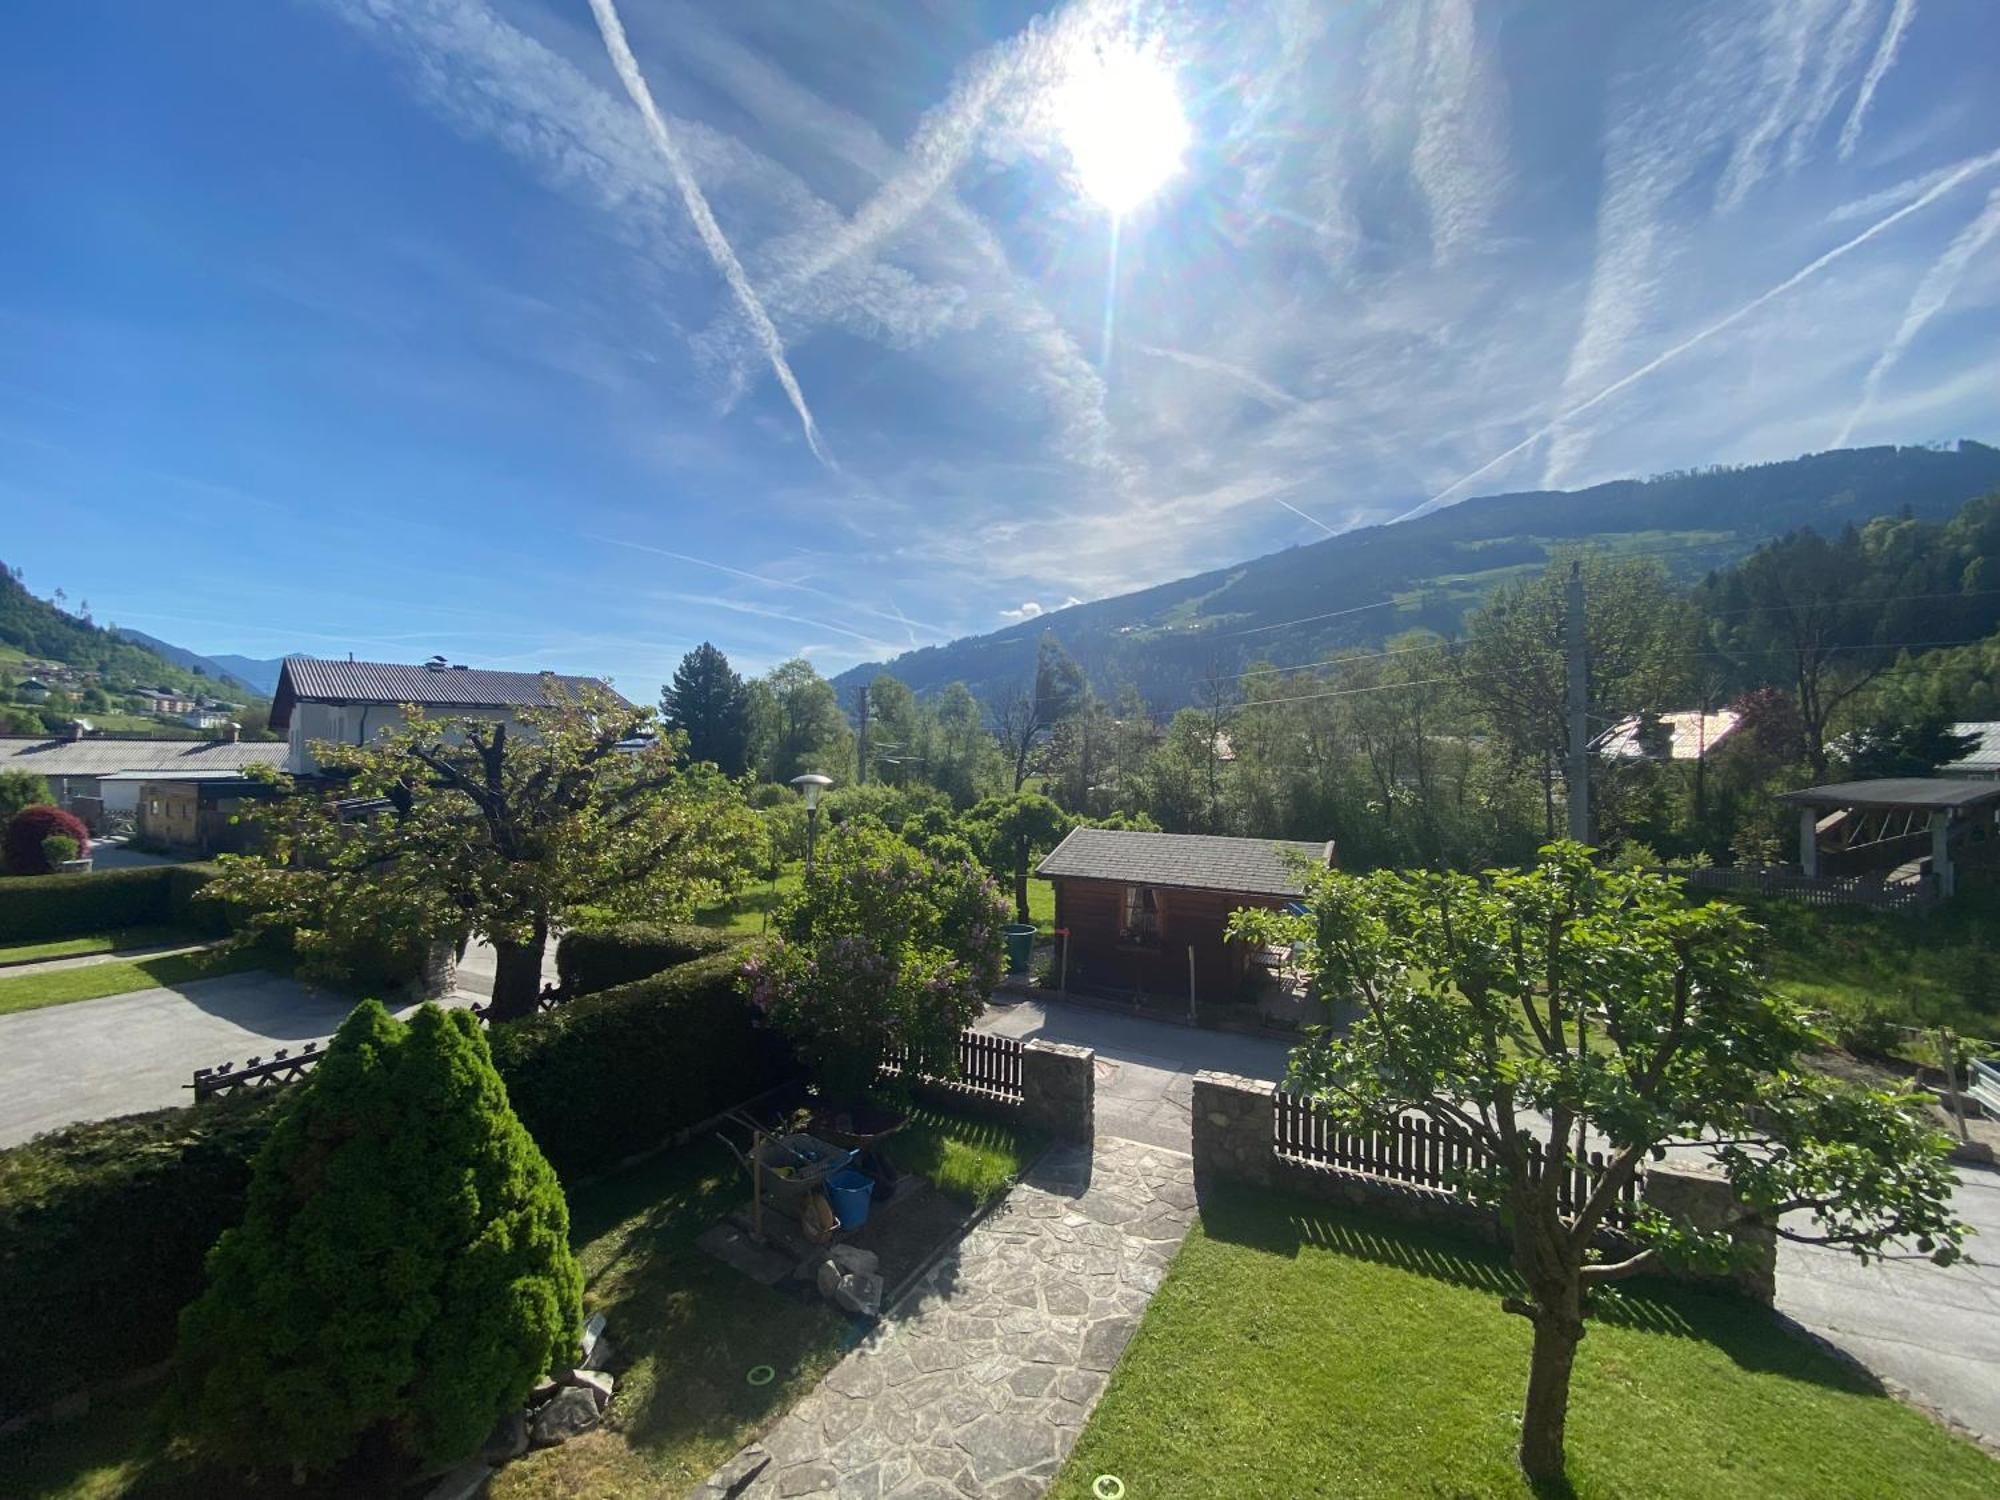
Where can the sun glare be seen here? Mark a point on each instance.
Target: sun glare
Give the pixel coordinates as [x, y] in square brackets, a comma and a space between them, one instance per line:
[1119, 116]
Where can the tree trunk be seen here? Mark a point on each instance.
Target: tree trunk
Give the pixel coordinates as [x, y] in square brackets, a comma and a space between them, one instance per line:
[517, 975]
[1557, 1333]
[1021, 883]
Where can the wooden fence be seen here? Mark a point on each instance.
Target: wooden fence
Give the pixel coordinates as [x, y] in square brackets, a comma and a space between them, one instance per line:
[991, 1063]
[1423, 1153]
[280, 1068]
[1837, 890]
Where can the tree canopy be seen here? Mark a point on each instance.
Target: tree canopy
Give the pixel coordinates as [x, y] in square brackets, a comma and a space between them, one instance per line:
[708, 705]
[449, 826]
[1544, 1011]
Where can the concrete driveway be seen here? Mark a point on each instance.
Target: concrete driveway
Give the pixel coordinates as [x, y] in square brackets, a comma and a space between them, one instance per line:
[1934, 1333]
[123, 1054]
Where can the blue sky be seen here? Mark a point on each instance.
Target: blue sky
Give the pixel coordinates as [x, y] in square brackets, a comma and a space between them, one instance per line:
[395, 326]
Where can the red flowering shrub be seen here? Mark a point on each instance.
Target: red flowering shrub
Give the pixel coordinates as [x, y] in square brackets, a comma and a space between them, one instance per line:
[22, 849]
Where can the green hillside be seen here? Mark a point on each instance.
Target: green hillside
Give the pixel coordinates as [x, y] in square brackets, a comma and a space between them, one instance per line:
[1360, 588]
[94, 669]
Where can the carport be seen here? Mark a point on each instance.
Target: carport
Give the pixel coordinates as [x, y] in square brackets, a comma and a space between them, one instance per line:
[1852, 827]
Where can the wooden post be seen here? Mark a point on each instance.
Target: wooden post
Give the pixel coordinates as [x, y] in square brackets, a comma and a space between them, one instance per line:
[757, 1187]
[1065, 961]
[1948, 1057]
[1191, 1009]
[1809, 842]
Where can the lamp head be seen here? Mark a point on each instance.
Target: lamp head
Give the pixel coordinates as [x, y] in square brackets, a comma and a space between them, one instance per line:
[811, 785]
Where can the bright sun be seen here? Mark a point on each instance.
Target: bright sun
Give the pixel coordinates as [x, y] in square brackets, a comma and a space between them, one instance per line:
[1120, 118]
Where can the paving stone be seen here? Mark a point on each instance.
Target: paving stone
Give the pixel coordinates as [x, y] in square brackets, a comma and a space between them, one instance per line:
[977, 1385]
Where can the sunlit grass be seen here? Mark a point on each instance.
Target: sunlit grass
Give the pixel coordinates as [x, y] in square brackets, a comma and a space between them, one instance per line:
[121, 976]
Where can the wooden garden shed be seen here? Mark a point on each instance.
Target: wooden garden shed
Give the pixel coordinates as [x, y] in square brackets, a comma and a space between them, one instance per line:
[1135, 905]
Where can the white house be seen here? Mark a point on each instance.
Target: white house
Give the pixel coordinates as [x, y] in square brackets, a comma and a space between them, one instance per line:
[352, 702]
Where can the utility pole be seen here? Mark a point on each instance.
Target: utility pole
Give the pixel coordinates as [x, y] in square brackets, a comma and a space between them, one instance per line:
[861, 776]
[1578, 673]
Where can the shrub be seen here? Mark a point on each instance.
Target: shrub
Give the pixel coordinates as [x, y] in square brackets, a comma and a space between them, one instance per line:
[596, 958]
[618, 1072]
[30, 828]
[103, 1228]
[884, 947]
[19, 789]
[58, 849]
[402, 1274]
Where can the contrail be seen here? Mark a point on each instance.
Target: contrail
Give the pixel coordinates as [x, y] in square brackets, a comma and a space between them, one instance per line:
[1944, 185]
[1884, 58]
[1932, 293]
[1252, 382]
[704, 221]
[898, 617]
[1304, 517]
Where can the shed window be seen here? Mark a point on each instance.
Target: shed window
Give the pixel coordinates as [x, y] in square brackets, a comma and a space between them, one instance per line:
[1141, 920]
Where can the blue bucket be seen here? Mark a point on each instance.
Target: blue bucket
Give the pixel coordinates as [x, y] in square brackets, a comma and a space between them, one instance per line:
[849, 1193]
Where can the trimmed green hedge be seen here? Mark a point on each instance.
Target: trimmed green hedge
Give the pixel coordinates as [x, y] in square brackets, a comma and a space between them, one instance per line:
[35, 908]
[103, 1227]
[597, 958]
[617, 1072]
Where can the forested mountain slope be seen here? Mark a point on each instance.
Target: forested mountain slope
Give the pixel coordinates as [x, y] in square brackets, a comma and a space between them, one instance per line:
[1376, 582]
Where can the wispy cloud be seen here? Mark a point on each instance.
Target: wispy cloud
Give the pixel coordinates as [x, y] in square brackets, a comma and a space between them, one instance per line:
[1886, 48]
[1666, 357]
[1926, 302]
[1248, 380]
[765, 580]
[704, 218]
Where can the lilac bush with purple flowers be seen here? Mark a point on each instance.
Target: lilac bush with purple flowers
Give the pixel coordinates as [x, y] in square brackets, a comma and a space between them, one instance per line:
[883, 947]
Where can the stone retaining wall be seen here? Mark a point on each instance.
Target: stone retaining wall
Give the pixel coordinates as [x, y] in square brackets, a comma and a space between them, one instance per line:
[1235, 1140]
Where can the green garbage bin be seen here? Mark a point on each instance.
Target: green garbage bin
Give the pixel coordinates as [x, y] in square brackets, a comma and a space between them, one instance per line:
[1020, 946]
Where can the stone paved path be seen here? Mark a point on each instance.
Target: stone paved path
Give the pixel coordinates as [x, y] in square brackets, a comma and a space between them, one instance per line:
[976, 1385]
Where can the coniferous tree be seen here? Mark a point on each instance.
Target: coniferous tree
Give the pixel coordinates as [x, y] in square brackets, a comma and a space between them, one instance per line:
[708, 703]
[402, 1274]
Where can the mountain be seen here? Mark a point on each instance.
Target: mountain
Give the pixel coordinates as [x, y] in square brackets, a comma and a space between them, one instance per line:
[1359, 588]
[252, 674]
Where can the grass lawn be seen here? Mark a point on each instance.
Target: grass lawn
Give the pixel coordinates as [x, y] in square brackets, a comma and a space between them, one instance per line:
[753, 906]
[1940, 967]
[120, 976]
[96, 942]
[686, 1330]
[1300, 1350]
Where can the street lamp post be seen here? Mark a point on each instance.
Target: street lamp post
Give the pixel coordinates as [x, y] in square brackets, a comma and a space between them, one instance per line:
[810, 786]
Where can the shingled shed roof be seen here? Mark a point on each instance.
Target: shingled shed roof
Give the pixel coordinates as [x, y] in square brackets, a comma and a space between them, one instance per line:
[304, 679]
[1185, 861]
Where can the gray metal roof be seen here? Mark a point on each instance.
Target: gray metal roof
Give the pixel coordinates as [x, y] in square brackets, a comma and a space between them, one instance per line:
[1984, 757]
[99, 757]
[1188, 861]
[305, 679]
[1916, 792]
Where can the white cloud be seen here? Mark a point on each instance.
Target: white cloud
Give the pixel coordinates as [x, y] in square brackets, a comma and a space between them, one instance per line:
[1886, 48]
[1028, 610]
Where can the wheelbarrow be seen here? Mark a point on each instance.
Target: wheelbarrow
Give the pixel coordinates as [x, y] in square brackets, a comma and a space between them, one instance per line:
[792, 1171]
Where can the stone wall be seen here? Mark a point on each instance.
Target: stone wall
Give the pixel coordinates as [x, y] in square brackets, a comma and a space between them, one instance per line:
[1058, 1093]
[1234, 1140]
[1059, 1090]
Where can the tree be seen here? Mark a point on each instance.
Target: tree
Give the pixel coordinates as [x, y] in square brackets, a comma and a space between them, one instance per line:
[449, 826]
[1903, 747]
[1022, 719]
[894, 757]
[882, 947]
[709, 705]
[1010, 831]
[24, 851]
[19, 789]
[1512, 667]
[1536, 1011]
[798, 725]
[402, 1274]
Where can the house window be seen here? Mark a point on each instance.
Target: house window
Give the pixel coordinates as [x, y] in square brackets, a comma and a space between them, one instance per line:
[1141, 919]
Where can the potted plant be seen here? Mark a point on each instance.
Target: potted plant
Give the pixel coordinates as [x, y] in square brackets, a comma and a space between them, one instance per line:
[884, 950]
[59, 853]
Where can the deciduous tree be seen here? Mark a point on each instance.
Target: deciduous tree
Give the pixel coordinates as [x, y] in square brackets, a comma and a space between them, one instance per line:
[452, 826]
[1540, 1011]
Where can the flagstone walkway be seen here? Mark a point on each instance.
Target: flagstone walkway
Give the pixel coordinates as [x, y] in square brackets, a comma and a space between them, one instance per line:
[975, 1386]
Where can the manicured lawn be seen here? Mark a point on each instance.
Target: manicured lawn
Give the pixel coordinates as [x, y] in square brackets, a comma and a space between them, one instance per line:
[120, 976]
[686, 1328]
[1303, 1351]
[96, 942]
